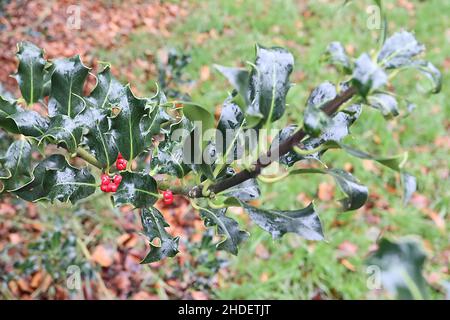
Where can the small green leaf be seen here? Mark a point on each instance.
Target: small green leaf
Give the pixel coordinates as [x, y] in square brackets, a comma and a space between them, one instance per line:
[30, 72]
[399, 49]
[367, 75]
[385, 103]
[269, 82]
[154, 228]
[137, 189]
[401, 263]
[16, 161]
[226, 227]
[316, 120]
[196, 113]
[66, 89]
[230, 128]
[304, 222]
[335, 54]
[238, 78]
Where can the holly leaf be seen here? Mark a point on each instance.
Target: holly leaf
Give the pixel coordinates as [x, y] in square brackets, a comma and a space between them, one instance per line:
[238, 78]
[401, 263]
[314, 118]
[304, 222]
[137, 189]
[16, 165]
[245, 191]
[430, 72]
[226, 228]
[98, 138]
[399, 49]
[154, 228]
[127, 127]
[108, 91]
[269, 82]
[15, 119]
[64, 130]
[335, 54]
[385, 103]
[55, 179]
[30, 72]
[168, 159]
[230, 127]
[367, 75]
[357, 194]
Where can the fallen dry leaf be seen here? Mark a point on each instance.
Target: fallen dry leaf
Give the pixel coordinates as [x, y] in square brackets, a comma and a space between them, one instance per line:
[103, 256]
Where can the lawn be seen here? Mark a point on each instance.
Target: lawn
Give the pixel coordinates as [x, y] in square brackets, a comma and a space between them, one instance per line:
[225, 32]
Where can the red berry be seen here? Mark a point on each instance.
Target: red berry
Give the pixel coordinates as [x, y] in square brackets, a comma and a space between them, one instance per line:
[121, 164]
[112, 187]
[117, 179]
[105, 179]
[119, 156]
[167, 197]
[104, 187]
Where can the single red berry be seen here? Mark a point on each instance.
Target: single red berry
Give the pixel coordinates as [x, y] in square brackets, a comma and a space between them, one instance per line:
[112, 187]
[105, 179]
[117, 179]
[104, 187]
[167, 197]
[121, 164]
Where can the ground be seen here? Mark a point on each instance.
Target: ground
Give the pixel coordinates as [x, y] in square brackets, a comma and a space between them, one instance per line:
[224, 32]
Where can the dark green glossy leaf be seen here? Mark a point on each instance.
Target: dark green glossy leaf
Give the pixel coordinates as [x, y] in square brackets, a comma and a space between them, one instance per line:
[304, 222]
[316, 120]
[127, 127]
[16, 161]
[154, 228]
[230, 128]
[399, 49]
[269, 82]
[386, 103]
[239, 79]
[335, 54]
[108, 91]
[245, 191]
[137, 189]
[357, 194]
[30, 72]
[168, 159]
[409, 183]
[98, 138]
[65, 130]
[55, 179]
[400, 264]
[226, 227]
[66, 90]
[367, 75]
[17, 120]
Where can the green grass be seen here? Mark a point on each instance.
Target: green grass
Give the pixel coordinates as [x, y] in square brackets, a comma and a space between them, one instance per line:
[297, 268]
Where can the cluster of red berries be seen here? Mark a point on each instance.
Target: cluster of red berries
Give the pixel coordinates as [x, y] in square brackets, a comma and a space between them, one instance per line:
[167, 197]
[108, 184]
[121, 163]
